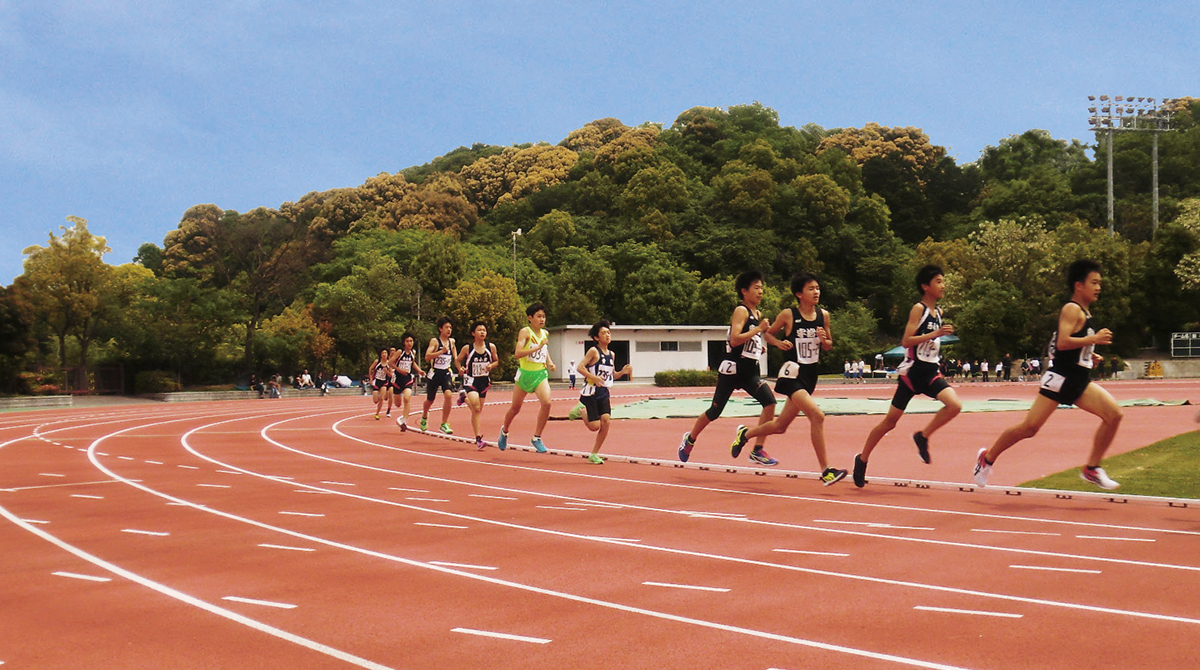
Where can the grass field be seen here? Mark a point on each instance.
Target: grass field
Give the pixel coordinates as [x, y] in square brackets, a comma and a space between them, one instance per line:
[1170, 468]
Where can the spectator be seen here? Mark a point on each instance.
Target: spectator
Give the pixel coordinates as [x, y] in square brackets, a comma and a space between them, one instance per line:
[306, 381]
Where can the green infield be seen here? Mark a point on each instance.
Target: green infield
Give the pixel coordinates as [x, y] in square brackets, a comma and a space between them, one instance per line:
[1170, 468]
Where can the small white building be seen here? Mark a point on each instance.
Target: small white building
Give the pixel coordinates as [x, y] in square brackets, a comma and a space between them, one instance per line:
[650, 349]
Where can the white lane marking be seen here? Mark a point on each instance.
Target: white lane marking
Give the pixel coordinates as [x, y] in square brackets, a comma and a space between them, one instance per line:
[717, 515]
[155, 462]
[439, 525]
[322, 493]
[394, 488]
[1039, 567]
[264, 603]
[610, 539]
[285, 547]
[565, 509]
[594, 505]
[215, 486]
[1014, 532]
[688, 587]
[308, 514]
[85, 496]
[465, 566]
[37, 521]
[501, 636]
[872, 524]
[50, 474]
[428, 499]
[135, 531]
[811, 553]
[338, 483]
[480, 495]
[1003, 615]
[75, 575]
[126, 458]
[59, 486]
[188, 467]
[224, 472]
[1119, 539]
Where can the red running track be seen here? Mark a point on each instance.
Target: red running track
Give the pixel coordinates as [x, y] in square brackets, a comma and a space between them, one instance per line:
[305, 534]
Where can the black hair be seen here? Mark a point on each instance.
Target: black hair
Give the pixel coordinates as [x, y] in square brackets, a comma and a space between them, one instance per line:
[443, 320]
[801, 279]
[406, 336]
[534, 309]
[1079, 271]
[476, 325]
[926, 275]
[745, 280]
[594, 331]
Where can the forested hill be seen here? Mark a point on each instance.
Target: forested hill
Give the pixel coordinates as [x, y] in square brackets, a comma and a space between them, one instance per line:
[644, 224]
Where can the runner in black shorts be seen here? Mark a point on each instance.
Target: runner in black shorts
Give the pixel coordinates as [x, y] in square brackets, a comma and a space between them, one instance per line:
[740, 369]
[440, 354]
[476, 362]
[1067, 382]
[919, 372]
[599, 369]
[380, 374]
[404, 381]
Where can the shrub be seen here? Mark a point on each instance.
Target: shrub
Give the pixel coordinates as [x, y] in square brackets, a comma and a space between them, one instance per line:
[155, 381]
[685, 378]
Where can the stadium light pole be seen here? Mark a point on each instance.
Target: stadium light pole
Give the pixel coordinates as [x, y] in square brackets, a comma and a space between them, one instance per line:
[516, 233]
[1126, 113]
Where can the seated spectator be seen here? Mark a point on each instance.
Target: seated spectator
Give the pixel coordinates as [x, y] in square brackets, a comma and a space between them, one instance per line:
[305, 381]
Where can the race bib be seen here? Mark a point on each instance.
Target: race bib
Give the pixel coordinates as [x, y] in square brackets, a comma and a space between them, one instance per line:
[538, 356]
[468, 381]
[790, 370]
[1052, 381]
[727, 367]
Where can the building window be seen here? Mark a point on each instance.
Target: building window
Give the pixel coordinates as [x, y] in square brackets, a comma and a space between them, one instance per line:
[668, 346]
[690, 346]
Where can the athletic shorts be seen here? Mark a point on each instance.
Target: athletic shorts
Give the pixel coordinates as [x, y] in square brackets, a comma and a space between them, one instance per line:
[805, 379]
[380, 384]
[478, 385]
[1064, 389]
[918, 379]
[440, 381]
[745, 379]
[529, 380]
[596, 405]
[403, 381]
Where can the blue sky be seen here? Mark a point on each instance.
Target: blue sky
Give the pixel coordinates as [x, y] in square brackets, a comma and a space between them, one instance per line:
[128, 113]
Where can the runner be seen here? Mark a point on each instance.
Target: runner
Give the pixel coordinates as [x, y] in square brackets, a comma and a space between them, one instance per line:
[919, 372]
[599, 371]
[740, 369]
[406, 368]
[380, 374]
[440, 354]
[533, 356]
[1067, 380]
[476, 362]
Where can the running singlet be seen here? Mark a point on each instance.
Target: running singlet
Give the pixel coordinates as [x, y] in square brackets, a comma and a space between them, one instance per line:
[806, 345]
[477, 364]
[404, 364]
[381, 372]
[442, 361]
[1071, 360]
[929, 351]
[536, 360]
[604, 368]
[745, 356]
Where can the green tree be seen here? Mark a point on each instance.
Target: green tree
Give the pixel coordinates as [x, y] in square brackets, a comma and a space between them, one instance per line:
[67, 283]
[652, 289]
[493, 299]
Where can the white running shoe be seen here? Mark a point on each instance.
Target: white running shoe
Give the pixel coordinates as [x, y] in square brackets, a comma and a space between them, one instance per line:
[982, 468]
[1098, 477]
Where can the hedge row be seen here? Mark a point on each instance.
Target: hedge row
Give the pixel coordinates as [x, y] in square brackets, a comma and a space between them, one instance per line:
[685, 378]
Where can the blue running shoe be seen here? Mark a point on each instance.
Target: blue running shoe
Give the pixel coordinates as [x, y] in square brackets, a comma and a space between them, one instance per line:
[502, 441]
[537, 444]
[685, 447]
[759, 456]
